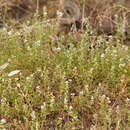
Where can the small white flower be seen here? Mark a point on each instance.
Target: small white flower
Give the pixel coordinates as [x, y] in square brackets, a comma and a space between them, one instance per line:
[114, 51]
[44, 11]
[56, 49]
[60, 118]
[33, 115]
[93, 127]
[75, 117]
[70, 80]
[100, 84]
[72, 94]
[81, 93]
[59, 14]
[9, 60]
[65, 101]
[27, 78]
[45, 14]
[18, 85]
[4, 29]
[66, 82]
[25, 40]
[38, 87]
[13, 73]
[28, 22]
[92, 99]
[10, 33]
[103, 97]
[16, 79]
[4, 66]
[3, 121]
[108, 100]
[110, 36]
[4, 129]
[31, 75]
[70, 107]
[86, 88]
[38, 42]
[43, 106]
[127, 99]
[102, 55]
[117, 108]
[3, 100]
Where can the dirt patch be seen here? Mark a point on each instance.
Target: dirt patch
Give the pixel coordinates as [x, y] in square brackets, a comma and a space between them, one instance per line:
[104, 16]
[23, 9]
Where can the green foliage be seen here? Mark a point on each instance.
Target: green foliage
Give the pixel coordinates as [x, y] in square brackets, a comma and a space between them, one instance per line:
[62, 82]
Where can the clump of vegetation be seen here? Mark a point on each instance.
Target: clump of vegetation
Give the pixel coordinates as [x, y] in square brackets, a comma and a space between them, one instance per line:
[75, 81]
[65, 82]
